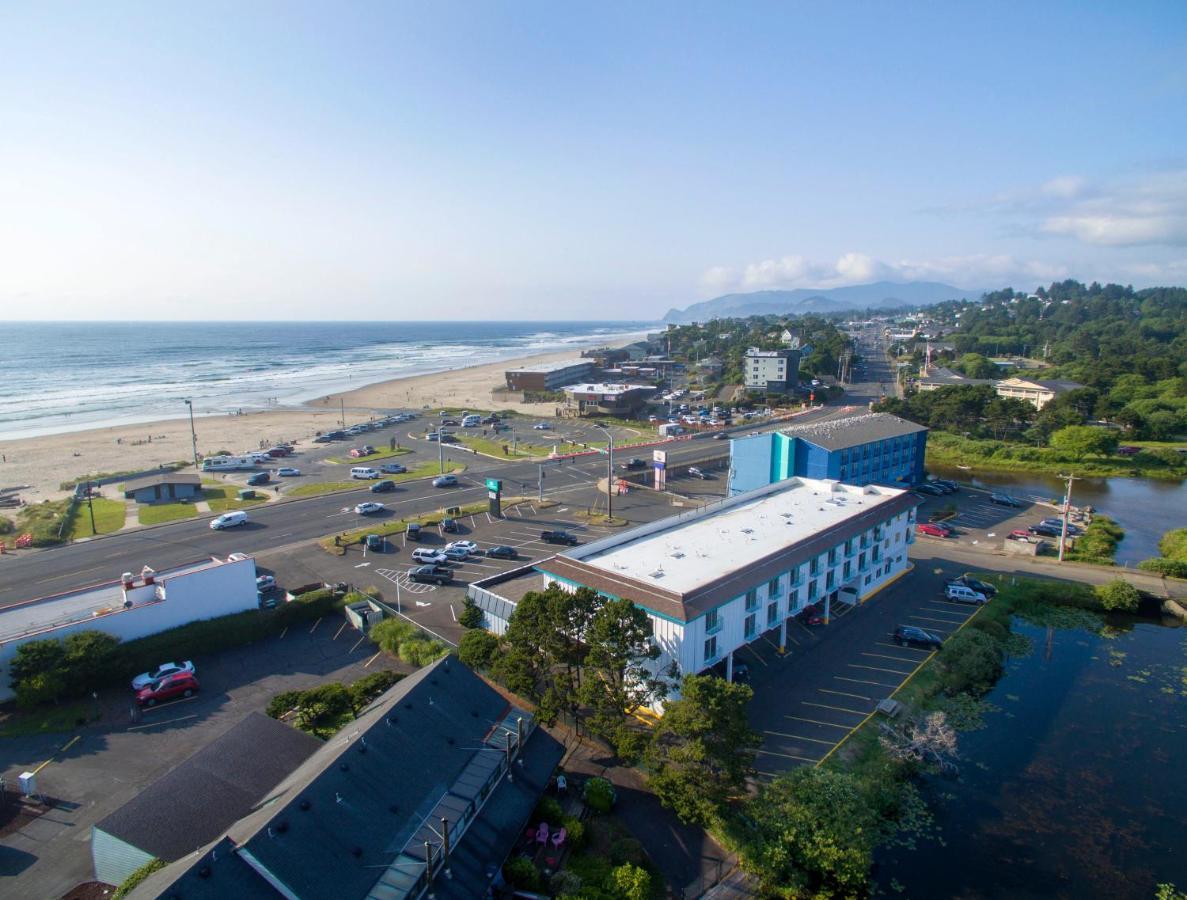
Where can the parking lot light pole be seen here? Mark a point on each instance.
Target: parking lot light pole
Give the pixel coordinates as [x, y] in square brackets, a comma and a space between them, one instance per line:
[609, 471]
[193, 433]
[440, 450]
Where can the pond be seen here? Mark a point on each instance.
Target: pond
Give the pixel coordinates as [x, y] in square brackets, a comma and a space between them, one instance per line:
[1144, 507]
[1076, 787]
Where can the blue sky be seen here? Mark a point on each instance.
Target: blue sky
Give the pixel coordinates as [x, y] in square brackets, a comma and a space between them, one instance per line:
[579, 161]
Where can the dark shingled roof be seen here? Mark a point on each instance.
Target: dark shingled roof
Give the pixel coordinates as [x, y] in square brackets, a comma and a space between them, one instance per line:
[352, 821]
[851, 431]
[135, 484]
[195, 802]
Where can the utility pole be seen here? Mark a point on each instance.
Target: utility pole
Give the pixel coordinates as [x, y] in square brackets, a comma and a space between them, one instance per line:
[342, 412]
[193, 433]
[91, 507]
[609, 470]
[440, 450]
[1067, 507]
[540, 484]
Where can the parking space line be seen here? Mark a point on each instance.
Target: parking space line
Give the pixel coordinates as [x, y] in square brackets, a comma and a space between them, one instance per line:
[946, 610]
[856, 712]
[786, 755]
[861, 681]
[885, 656]
[843, 694]
[755, 654]
[875, 669]
[162, 722]
[814, 721]
[898, 647]
[367, 664]
[799, 737]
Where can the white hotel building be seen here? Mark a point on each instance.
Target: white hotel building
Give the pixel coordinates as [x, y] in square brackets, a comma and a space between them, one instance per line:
[714, 579]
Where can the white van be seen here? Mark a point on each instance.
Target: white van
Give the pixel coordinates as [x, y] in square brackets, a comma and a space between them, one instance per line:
[364, 472]
[963, 594]
[471, 421]
[229, 520]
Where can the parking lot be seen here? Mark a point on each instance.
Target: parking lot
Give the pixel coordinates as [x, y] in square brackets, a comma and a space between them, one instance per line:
[833, 676]
[979, 522]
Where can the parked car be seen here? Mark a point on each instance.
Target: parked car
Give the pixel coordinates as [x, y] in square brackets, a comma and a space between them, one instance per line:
[1072, 528]
[455, 554]
[322, 439]
[948, 487]
[720, 436]
[741, 673]
[983, 587]
[501, 551]
[1045, 530]
[258, 478]
[429, 555]
[933, 529]
[695, 472]
[228, 520]
[162, 671]
[288, 472]
[964, 594]
[445, 481]
[171, 687]
[558, 537]
[469, 546]
[1004, 500]
[1128, 450]
[635, 463]
[393, 469]
[542, 426]
[930, 489]
[382, 487]
[917, 637]
[449, 423]
[1019, 534]
[449, 525]
[374, 541]
[438, 575]
[265, 583]
[369, 508]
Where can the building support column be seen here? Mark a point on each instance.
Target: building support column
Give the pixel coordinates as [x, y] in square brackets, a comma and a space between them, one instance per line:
[783, 633]
[729, 667]
[827, 606]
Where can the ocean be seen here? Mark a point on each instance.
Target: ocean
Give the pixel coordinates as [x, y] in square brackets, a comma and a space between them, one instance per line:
[65, 376]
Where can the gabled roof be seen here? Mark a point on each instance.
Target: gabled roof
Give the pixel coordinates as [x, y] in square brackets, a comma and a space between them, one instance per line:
[135, 484]
[1054, 386]
[197, 800]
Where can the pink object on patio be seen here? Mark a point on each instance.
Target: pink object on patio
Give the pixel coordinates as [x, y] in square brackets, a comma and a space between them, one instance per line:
[558, 837]
[542, 833]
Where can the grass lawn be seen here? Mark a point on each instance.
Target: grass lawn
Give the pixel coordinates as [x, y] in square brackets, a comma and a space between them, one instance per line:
[109, 517]
[398, 526]
[379, 453]
[314, 488]
[996, 456]
[226, 496]
[493, 447]
[156, 513]
[44, 720]
[425, 470]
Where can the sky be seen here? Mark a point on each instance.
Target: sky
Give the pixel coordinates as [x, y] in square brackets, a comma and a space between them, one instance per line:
[541, 160]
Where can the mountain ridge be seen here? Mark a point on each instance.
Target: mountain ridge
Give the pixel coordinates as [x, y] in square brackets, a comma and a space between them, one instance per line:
[804, 300]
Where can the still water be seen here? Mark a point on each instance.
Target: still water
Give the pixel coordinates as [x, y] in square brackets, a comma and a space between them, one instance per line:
[1076, 787]
[1145, 507]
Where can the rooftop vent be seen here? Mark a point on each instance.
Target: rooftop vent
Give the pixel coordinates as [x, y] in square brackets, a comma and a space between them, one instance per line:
[658, 573]
[747, 531]
[677, 554]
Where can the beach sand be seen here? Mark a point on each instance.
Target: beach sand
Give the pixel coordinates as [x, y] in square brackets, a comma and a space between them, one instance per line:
[39, 464]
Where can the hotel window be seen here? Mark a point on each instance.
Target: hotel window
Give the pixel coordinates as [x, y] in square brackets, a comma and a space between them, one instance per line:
[811, 590]
[751, 626]
[830, 580]
[711, 649]
[795, 577]
[875, 553]
[814, 566]
[793, 600]
[772, 613]
[773, 587]
[752, 598]
[846, 570]
[849, 547]
[861, 561]
[712, 621]
[832, 556]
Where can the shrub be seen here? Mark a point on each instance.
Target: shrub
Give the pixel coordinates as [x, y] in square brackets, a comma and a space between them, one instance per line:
[521, 873]
[625, 851]
[367, 688]
[283, 703]
[574, 831]
[6, 526]
[599, 795]
[970, 662]
[133, 881]
[1119, 596]
[477, 649]
[565, 884]
[548, 810]
[995, 629]
[471, 616]
[1172, 568]
[420, 651]
[631, 882]
[390, 633]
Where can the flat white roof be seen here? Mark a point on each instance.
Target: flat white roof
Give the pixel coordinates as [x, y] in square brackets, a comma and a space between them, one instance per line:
[690, 554]
[59, 610]
[601, 388]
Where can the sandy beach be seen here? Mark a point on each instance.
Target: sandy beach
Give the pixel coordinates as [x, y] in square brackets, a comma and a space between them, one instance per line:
[38, 465]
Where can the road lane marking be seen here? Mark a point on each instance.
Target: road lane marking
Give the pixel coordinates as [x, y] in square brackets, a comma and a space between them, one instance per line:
[902, 647]
[856, 712]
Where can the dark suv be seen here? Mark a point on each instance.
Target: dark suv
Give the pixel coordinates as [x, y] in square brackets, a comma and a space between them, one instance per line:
[558, 537]
[917, 637]
[431, 574]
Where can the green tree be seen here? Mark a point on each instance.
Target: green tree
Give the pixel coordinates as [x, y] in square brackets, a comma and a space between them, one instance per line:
[36, 658]
[970, 662]
[617, 679]
[1119, 595]
[471, 615]
[477, 649]
[89, 657]
[631, 882]
[703, 748]
[814, 835]
[1081, 440]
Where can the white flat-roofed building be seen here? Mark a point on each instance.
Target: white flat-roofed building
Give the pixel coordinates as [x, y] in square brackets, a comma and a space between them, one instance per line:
[715, 579]
[617, 399]
[131, 607]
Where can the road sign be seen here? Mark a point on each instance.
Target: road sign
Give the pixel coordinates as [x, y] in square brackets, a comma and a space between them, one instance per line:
[660, 456]
[493, 484]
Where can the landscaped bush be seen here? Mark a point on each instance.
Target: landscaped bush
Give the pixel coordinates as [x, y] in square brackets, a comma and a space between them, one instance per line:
[133, 881]
[367, 688]
[6, 526]
[574, 831]
[406, 641]
[52, 669]
[522, 873]
[477, 649]
[599, 795]
[1119, 596]
[547, 810]
[471, 616]
[1172, 568]
[631, 882]
[970, 662]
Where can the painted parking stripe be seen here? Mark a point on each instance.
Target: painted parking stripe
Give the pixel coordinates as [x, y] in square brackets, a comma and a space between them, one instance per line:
[843, 694]
[856, 712]
[902, 659]
[815, 721]
[862, 681]
[933, 619]
[903, 647]
[800, 737]
[787, 756]
[876, 669]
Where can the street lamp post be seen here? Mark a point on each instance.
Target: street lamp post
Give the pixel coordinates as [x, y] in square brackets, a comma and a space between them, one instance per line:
[609, 470]
[193, 433]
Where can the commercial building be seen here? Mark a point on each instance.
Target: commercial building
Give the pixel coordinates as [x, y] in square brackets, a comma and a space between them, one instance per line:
[717, 578]
[1036, 393]
[940, 376]
[773, 371]
[163, 486]
[608, 399]
[194, 803]
[425, 794]
[551, 376]
[872, 448]
[131, 607]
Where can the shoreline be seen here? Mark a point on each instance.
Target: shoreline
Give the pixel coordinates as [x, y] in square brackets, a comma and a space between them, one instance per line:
[37, 465]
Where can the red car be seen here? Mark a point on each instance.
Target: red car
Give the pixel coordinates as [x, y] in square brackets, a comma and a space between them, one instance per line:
[170, 687]
[933, 529]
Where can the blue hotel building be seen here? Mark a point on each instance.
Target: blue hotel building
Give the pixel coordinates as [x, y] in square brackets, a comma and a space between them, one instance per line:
[871, 448]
